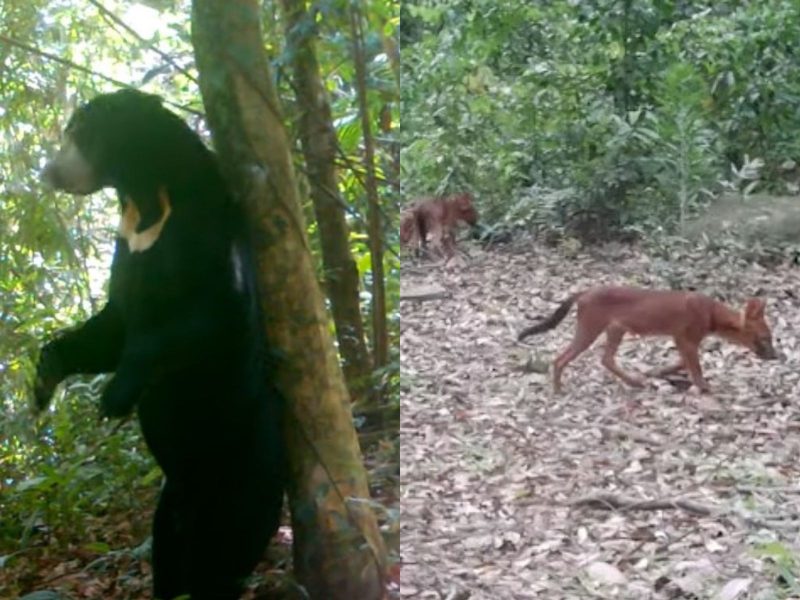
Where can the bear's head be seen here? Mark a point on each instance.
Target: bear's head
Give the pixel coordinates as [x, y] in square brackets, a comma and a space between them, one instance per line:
[114, 140]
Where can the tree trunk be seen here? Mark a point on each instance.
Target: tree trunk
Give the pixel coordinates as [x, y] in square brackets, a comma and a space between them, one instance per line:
[380, 334]
[338, 551]
[319, 148]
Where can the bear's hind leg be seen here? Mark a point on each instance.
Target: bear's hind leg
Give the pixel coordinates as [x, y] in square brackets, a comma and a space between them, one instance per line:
[170, 568]
[229, 536]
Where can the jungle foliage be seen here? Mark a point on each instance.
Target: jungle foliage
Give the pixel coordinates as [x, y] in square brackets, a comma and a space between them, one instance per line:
[600, 117]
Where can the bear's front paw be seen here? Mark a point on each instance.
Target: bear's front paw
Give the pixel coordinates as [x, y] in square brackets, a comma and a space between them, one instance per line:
[119, 397]
[49, 373]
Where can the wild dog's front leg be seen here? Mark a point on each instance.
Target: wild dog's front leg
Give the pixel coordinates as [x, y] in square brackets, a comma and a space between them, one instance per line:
[448, 242]
[94, 347]
[689, 353]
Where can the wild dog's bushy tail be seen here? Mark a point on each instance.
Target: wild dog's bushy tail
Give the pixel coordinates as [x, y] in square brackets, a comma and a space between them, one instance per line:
[550, 322]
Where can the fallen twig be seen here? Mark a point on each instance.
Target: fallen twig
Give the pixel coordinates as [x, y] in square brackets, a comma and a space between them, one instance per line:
[613, 502]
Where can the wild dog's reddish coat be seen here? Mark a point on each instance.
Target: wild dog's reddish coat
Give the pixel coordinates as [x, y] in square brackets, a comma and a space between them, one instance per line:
[688, 317]
[438, 217]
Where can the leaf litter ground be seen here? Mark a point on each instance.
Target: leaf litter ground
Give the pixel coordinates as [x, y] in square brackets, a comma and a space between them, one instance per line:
[602, 492]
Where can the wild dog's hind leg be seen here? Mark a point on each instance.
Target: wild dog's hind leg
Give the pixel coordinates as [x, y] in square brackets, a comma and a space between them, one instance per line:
[438, 235]
[614, 335]
[585, 335]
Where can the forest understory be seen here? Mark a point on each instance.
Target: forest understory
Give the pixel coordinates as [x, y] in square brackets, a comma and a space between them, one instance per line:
[509, 492]
[110, 560]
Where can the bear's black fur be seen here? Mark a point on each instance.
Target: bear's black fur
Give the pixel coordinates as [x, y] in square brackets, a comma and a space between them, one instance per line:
[182, 334]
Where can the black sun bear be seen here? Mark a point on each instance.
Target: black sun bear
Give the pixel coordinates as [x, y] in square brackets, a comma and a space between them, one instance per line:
[182, 334]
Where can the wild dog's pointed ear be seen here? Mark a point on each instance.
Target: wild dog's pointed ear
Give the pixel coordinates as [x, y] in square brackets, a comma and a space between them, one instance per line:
[754, 309]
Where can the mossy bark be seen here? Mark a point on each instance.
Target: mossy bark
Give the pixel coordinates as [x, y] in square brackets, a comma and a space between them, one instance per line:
[338, 550]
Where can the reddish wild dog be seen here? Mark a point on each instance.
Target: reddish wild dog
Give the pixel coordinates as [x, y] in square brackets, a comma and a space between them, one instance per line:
[437, 217]
[688, 317]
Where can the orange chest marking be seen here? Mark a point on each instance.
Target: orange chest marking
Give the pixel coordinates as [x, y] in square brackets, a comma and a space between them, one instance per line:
[140, 241]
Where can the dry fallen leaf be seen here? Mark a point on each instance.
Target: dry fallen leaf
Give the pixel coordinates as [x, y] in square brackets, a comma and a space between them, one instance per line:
[604, 573]
[734, 589]
[487, 450]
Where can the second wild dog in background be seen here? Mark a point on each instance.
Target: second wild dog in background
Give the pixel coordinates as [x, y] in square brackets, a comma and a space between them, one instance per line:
[437, 218]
